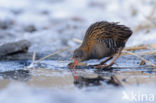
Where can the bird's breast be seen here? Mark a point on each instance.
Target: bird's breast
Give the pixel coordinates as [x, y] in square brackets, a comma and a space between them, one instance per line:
[100, 51]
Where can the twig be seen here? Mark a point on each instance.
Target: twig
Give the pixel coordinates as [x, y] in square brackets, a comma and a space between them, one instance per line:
[34, 56]
[142, 62]
[152, 12]
[148, 53]
[57, 52]
[38, 61]
[140, 58]
[137, 47]
[77, 40]
[142, 46]
[116, 80]
[131, 67]
[33, 60]
[147, 18]
[142, 53]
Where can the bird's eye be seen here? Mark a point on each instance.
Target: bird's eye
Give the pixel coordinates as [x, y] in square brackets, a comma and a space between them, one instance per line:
[76, 56]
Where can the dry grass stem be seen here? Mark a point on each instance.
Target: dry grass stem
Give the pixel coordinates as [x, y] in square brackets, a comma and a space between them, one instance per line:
[153, 46]
[152, 12]
[33, 60]
[38, 61]
[57, 52]
[137, 47]
[77, 40]
[34, 56]
[148, 62]
[144, 23]
[132, 67]
[142, 62]
[142, 53]
[116, 80]
[148, 53]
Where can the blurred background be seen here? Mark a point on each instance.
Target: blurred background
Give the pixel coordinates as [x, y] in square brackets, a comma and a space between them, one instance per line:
[51, 25]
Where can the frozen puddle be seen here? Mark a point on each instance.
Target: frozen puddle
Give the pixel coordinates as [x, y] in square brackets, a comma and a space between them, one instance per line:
[52, 82]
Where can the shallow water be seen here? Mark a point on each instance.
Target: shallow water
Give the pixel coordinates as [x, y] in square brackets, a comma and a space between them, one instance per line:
[51, 81]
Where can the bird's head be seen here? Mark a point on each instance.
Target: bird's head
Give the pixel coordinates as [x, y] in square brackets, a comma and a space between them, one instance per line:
[80, 55]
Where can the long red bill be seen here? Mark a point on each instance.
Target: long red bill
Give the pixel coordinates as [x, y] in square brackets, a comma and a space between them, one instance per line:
[75, 64]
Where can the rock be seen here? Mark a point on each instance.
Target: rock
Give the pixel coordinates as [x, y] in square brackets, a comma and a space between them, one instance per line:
[30, 28]
[28, 56]
[14, 47]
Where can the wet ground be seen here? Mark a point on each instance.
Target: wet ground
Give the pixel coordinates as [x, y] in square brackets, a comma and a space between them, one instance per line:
[57, 73]
[51, 80]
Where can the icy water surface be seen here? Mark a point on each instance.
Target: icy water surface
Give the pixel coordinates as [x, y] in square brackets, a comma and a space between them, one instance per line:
[51, 81]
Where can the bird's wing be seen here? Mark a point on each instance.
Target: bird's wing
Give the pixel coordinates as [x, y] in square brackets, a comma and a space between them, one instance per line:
[112, 34]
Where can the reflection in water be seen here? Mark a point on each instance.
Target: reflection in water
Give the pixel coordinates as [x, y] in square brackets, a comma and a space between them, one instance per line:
[96, 81]
[81, 81]
[20, 75]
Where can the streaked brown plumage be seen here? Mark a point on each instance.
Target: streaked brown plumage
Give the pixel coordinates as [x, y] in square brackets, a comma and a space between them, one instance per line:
[102, 39]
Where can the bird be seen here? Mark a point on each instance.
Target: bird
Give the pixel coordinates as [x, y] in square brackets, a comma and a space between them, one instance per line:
[103, 39]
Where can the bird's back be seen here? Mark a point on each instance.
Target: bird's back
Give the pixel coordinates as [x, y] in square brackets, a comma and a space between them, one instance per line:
[105, 38]
[109, 33]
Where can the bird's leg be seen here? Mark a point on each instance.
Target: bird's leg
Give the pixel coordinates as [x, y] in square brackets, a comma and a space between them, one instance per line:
[108, 65]
[102, 63]
[109, 58]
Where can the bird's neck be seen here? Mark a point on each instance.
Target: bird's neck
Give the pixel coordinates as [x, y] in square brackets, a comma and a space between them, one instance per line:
[87, 49]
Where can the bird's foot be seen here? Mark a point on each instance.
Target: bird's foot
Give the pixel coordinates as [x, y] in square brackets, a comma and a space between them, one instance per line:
[102, 66]
[99, 66]
[93, 66]
[70, 65]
